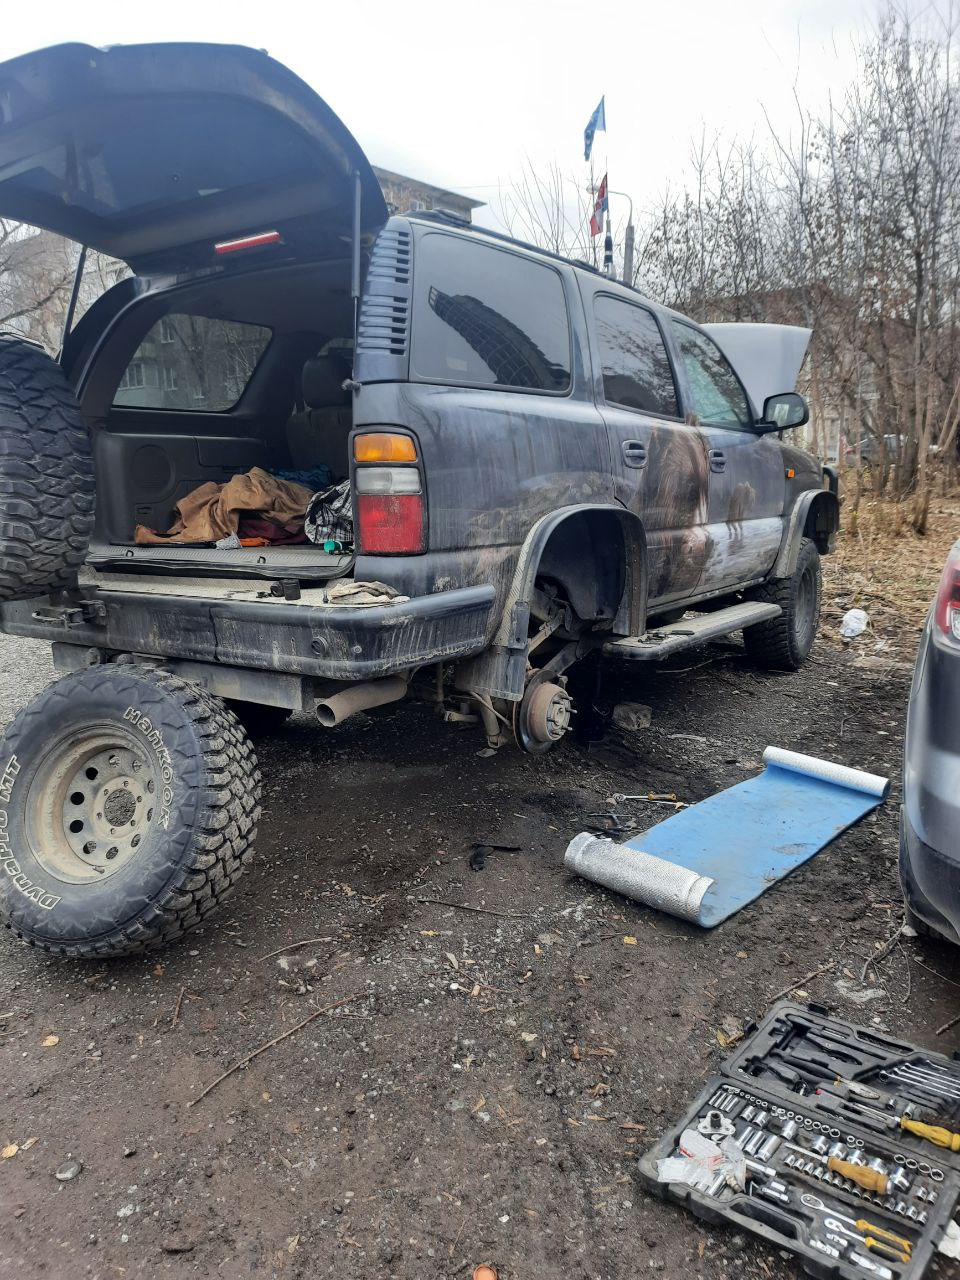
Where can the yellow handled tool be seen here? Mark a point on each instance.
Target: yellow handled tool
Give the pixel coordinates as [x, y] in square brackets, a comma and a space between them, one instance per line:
[888, 1250]
[932, 1133]
[869, 1179]
[862, 1225]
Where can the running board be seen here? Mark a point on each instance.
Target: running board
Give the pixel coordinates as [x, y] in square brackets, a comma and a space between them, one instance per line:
[688, 632]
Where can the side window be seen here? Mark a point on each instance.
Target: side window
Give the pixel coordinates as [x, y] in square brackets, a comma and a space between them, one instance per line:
[636, 368]
[192, 362]
[489, 317]
[718, 398]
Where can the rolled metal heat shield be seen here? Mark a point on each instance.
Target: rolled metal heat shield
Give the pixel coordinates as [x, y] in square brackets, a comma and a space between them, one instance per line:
[638, 875]
[841, 775]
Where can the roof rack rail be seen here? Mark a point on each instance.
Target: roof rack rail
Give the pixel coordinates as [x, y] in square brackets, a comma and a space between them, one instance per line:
[450, 219]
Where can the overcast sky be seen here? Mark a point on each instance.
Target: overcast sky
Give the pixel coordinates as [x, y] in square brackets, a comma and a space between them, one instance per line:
[460, 95]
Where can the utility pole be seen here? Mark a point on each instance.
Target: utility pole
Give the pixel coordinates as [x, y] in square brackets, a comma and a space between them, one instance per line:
[628, 238]
[628, 253]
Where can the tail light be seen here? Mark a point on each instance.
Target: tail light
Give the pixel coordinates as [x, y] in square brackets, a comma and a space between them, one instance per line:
[390, 514]
[946, 611]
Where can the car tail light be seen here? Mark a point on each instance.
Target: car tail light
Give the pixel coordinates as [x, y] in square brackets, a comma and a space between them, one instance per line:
[384, 446]
[390, 512]
[390, 524]
[946, 611]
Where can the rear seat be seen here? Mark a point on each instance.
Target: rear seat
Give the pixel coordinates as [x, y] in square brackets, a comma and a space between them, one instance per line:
[318, 435]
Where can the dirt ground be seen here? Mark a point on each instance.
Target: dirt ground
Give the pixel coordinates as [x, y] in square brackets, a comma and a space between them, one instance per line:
[483, 1086]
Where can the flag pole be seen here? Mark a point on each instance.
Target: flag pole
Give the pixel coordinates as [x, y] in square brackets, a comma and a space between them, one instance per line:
[608, 233]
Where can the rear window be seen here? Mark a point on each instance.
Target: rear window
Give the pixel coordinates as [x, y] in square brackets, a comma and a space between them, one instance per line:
[487, 317]
[193, 363]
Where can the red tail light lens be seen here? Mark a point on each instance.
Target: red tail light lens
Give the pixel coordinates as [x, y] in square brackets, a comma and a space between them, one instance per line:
[390, 524]
[946, 611]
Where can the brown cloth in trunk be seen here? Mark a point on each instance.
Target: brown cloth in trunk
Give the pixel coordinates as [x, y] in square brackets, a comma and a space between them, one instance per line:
[213, 511]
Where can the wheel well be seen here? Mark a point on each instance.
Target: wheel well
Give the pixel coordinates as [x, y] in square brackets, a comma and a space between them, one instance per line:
[586, 558]
[823, 521]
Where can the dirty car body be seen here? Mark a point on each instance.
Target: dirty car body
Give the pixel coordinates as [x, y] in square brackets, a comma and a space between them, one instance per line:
[930, 816]
[534, 458]
[542, 465]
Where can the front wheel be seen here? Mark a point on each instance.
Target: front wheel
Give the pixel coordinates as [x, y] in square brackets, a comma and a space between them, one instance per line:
[129, 800]
[784, 643]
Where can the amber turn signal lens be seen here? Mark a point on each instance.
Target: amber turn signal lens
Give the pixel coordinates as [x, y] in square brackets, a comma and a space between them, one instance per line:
[383, 446]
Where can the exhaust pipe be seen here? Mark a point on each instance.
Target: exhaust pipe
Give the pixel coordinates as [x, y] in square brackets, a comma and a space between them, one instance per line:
[360, 697]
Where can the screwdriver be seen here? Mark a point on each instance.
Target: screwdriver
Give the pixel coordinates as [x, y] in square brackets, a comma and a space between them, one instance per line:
[868, 1242]
[861, 1224]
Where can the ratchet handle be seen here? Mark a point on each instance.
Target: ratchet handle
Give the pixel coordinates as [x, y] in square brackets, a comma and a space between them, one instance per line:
[869, 1179]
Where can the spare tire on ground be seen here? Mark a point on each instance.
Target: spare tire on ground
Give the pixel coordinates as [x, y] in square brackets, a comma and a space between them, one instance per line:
[129, 801]
[46, 475]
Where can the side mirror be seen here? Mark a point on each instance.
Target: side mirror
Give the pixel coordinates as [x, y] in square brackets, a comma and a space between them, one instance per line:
[783, 411]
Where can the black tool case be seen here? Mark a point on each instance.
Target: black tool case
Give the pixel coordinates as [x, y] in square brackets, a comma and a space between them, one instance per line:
[845, 1089]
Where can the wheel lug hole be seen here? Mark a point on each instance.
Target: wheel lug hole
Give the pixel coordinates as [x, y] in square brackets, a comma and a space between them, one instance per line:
[112, 852]
[135, 841]
[90, 848]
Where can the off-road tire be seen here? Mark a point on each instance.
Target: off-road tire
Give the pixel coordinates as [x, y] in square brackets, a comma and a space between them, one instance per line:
[259, 719]
[191, 764]
[46, 475]
[784, 643]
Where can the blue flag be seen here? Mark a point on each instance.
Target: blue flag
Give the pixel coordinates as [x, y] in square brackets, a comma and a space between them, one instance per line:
[597, 121]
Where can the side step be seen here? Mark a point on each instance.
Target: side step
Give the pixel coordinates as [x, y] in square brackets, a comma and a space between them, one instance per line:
[688, 632]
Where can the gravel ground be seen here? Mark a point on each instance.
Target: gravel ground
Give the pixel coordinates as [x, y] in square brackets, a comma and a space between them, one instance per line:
[484, 1086]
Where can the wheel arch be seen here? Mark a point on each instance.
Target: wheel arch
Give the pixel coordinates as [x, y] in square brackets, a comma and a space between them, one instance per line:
[815, 515]
[571, 544]
[587, 528]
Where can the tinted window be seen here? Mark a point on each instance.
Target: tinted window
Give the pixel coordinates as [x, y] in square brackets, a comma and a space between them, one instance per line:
[636, 369]
[489, 317]
[718, 397]
[192, 362]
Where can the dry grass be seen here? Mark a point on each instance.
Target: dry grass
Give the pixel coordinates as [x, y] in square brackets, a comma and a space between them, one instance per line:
[884, 568]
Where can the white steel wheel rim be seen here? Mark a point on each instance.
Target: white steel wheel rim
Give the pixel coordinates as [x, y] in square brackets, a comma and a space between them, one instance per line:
[90, 805]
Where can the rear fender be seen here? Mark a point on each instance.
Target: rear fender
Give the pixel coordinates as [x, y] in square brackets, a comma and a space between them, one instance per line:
[571, 546]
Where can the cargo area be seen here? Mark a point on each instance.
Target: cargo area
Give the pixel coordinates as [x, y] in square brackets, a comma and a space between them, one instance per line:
[207, 382]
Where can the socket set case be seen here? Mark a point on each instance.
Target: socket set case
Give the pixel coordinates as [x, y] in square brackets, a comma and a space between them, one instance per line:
[851, 1140]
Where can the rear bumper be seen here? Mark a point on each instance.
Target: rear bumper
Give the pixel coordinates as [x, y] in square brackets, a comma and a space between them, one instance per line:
[931, 881]
[327, 642]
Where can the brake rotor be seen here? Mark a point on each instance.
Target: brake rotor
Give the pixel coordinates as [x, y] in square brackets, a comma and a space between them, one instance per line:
[543, 715]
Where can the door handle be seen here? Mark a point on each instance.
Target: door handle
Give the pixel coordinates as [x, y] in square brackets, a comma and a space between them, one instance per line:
[634, 453]
[718, 460]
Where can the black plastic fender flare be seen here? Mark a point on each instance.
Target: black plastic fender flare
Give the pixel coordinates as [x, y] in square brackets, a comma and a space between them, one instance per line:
[816, 515]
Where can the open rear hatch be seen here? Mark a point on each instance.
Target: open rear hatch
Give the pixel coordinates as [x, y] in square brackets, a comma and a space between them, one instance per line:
[153, 153]
[161, 155]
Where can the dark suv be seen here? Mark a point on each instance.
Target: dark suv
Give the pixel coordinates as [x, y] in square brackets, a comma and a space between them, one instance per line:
[537, 464]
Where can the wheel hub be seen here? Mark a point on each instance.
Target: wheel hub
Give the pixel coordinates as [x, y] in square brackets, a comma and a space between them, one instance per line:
[543, 716]
[90, 807]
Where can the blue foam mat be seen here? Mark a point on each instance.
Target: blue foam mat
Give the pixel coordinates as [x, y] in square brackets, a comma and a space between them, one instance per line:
[754, 834]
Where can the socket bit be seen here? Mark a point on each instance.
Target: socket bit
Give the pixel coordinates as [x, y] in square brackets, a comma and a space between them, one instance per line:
[767, 1148]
